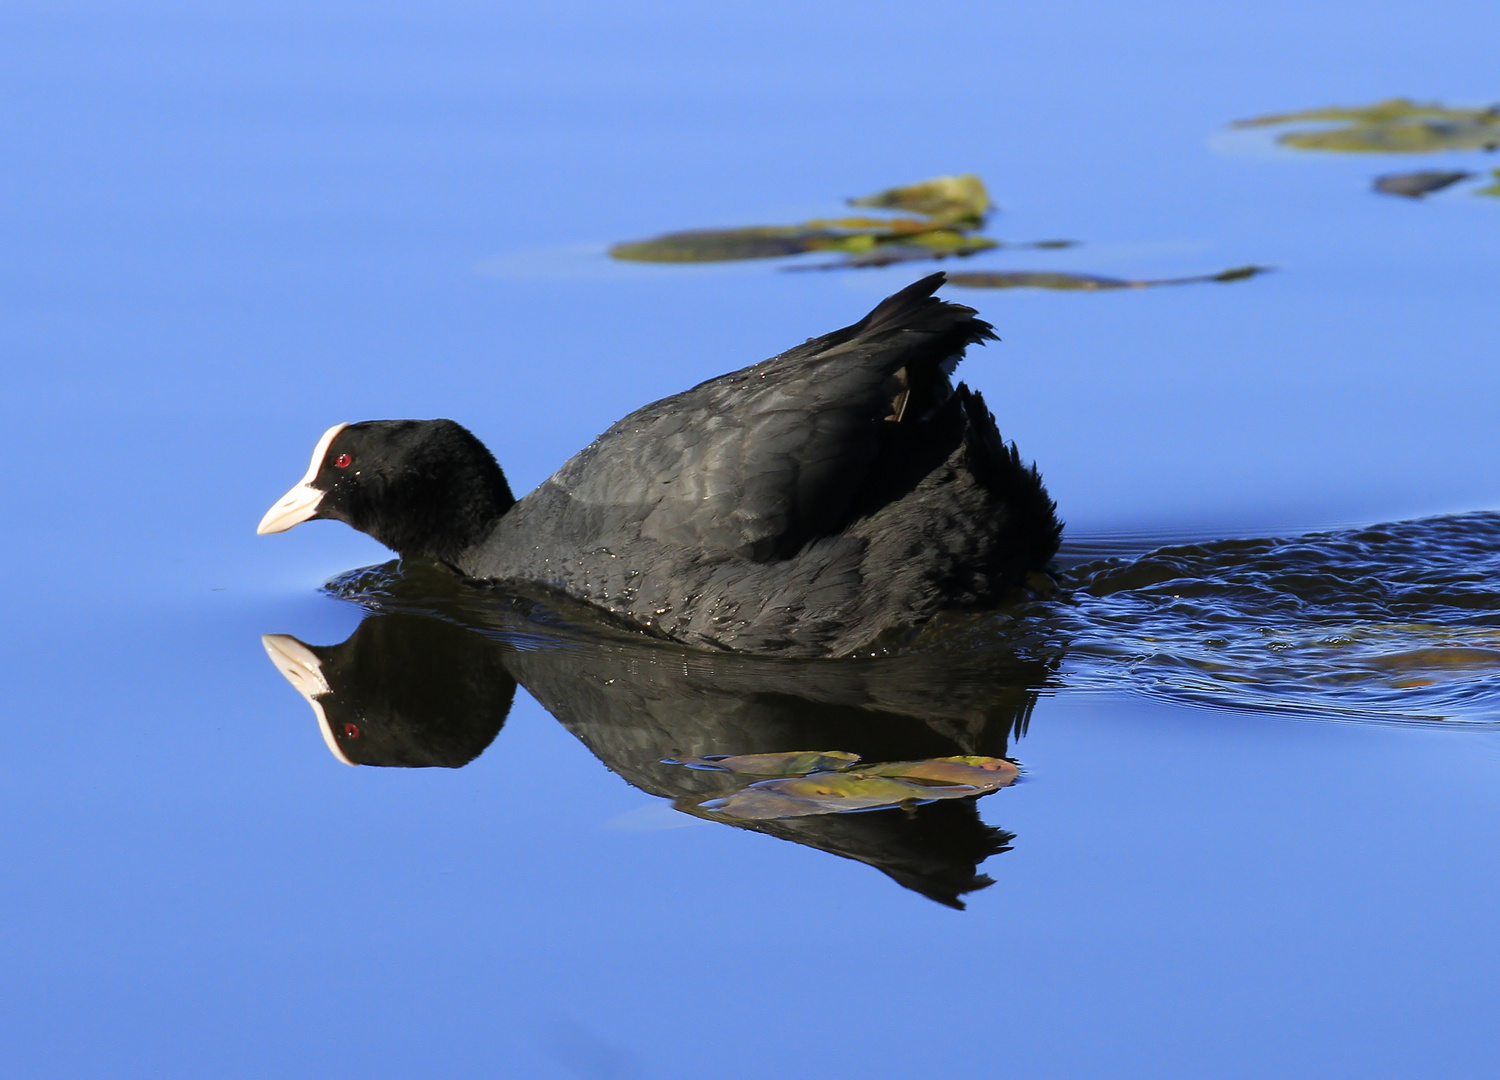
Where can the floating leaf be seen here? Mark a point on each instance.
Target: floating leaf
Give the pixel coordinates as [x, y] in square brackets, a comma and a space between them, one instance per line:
[1379, 113]
[1414, 185]
[950, 199]
[728, 245]
[950, 209]
[1394, 126]
[1049, 279]
[1490, 189]
[829, 793]
[796, 764]
[939, 244]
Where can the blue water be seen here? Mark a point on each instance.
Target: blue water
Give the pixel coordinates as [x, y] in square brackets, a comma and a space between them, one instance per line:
[228, 227]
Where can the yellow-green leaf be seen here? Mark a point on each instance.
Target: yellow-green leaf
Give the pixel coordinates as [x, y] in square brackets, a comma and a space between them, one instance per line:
[1050, 279]
[1394, 126]
[952, 199]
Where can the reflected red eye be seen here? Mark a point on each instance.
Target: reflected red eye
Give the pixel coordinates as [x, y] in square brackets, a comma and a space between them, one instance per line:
[343, 461]
[350, 731]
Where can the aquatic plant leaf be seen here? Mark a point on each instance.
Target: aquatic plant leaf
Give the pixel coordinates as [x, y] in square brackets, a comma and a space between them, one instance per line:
[1379, 113]
[793, 764]
[728, 245]
[1051, 279]
[829, 793]
[775, 241]
[939, 244]
[983, 773]
[1414, 185]
[1394, 126]
[951, 199]
[1490, 189]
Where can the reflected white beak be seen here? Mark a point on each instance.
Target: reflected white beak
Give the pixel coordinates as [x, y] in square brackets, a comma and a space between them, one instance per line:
[301, 503]
[298, 663]
[302, 668]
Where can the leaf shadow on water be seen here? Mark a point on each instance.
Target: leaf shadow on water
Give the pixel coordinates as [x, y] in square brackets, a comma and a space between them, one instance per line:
[1396, 623]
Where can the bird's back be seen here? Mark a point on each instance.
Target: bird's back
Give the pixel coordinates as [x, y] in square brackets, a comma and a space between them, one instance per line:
[803, 505]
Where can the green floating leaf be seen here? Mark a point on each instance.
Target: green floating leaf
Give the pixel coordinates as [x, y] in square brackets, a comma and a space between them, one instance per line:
[1394, 126]
[728, 245]
[949, 199]
[797, 764]
[1048, 279]
[775, 241]
[829, 793]
[1490, 189]
[949, 209]
[1379, 113]
[938, 244]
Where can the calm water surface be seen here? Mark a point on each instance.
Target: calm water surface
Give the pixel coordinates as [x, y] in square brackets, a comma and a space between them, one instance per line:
[1259, 794]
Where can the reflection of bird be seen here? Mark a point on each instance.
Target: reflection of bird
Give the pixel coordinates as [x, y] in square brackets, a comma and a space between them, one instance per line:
[401, 691]
[422, 690]
[803, 506]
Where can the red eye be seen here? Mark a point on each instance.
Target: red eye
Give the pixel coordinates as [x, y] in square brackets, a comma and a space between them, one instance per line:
[343, 461]
[350, 731]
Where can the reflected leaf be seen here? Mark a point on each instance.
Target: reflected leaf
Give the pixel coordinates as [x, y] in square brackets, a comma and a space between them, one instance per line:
[829, 793]
[769, 764]
[805, 784]
[1492, 188]
[1414, 185]
[1048, 279]
[981, 773]
[1393, 126]
[951, 199]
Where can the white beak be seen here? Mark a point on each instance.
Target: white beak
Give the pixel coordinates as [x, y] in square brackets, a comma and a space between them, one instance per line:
[302, 668]
[301, 503]
[295, 507]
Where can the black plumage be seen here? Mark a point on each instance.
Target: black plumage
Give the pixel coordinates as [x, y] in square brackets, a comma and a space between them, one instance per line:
[806, 505]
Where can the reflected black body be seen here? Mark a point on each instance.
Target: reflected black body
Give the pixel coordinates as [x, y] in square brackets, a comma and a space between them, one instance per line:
[635, 701]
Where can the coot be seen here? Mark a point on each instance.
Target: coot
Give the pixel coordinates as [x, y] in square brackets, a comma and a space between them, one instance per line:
[814, 504]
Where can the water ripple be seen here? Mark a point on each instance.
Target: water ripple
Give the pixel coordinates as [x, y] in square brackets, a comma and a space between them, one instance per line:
[1392, 622]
